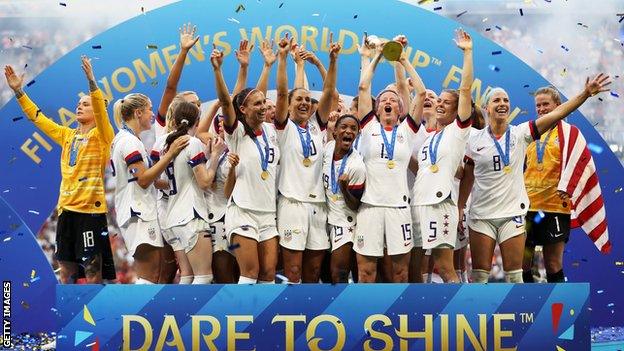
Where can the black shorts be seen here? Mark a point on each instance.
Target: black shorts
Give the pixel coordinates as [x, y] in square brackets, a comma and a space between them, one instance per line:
[553, 228]
[80, 236]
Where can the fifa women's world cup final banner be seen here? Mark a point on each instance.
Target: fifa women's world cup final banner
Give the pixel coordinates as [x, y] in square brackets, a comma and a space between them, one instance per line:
[137, 56]
[324, 317]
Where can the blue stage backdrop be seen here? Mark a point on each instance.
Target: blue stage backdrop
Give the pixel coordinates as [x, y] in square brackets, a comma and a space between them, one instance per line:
[136, 56]
[324, 317]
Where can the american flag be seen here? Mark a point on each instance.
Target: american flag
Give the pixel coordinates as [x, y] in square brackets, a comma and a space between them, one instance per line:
[580, 181]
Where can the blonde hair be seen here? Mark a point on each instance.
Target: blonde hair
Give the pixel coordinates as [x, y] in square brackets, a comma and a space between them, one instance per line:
[486, 99]
[552, 92]
[124, 108]
[169, 121]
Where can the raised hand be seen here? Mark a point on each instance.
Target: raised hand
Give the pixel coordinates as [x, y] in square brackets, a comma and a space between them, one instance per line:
[463, 40]
[243, 52]
[216, 57]
[334, 48]
[15, 82]
[285, 45]
[267, 52]
[187, 36]
[297, 53]
[401, 38]
[367, 47]
[233, 159]
[597, 85]
[87, 68]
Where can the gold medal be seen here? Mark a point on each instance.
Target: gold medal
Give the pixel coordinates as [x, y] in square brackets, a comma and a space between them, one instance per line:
[334, 198]
[264, 175]
[540, 167]
[507, 169]
[434, 168]
[391, 164]
[307, 162]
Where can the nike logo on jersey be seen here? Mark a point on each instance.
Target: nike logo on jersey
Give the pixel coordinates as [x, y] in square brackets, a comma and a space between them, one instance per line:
[480, 148]
[557, 235]
[376, 134]
[407, 244]
[430, 240]
[519, 225]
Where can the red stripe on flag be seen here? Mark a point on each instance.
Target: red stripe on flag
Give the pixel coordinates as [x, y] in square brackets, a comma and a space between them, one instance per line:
[590, 211]
[579, 167]
[572, 141]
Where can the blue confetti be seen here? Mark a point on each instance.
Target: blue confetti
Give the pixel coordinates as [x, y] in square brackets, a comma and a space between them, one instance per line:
[565, 48]
[614, 94]
[462, 13]
[597, 149]
[499, 28]
[30, 83]
[437, 8]
[488, 29]
[96, 46]
[521, 13]
[63, 4]
[27, 47]
[525, 86]
[538, 217]
[35, 279]
[611, 304]
[17, 119]
[494, 68]
[498, 52]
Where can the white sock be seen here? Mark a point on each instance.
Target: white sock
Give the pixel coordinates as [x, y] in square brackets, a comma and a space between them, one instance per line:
[459, 275]
[186, 279]
[514, 276]
[463, 276]
[429, 277]
[245, 280]
[202, 279]
[481, 276]
[266, 282]
[141, 281]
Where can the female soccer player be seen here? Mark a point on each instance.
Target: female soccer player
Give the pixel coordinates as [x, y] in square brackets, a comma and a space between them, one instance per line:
[85, 152]
[251, 212]
[135, 200]
[438, 159]
[187, 212]
[495, 165]
[301, 212]
[384, 219]
[344, 175]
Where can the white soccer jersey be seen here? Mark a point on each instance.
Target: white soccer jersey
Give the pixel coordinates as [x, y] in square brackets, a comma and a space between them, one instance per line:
[186, 198]
[387, 186]
[433, 187]
[418, 143]
[297, 181]
[496, 194]
[215, 198]
[339, 213]
[251, 192]
[130, 198]
[159, 145]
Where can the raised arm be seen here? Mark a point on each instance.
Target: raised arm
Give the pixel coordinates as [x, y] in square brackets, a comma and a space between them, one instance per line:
[187, 40]
[300, 75]
[269, 59]
[311, 58]
[464, 42]
[419, 88]
[242, 55]
[47, 126]
[206, 121]
[597, 85]
[216, 59]
[329, 84]
[281, 105]
[364, 90]
[205, 176]
[399, 76]
[102, 122]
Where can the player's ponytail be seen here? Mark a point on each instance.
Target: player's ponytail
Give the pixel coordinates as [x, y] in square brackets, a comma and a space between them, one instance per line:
[185, 116]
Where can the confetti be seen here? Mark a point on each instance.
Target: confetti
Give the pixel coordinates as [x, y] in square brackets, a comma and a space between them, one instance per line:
[96, 46]
[521, 13]
[498, 27]
[32, 274]
[461, 13]
[25, 304]
[35, 279]
[488, 29]
[240, 8]
[27, 47]
[618, 190]
[582, 25]
[484, 20]
[234, 20]
[315, 15]
[565, 48]
[33, 212]
[6, 239]
[494, 68]
[610, 304]
[437, 8]
[354, 17]
[538, 218]
[63, 4]
[280, 5]
[599, 291]
[595, 148]
[104, 233]
[152, 46]
[17, 119]
[497, 52]
[30, 83]
[525, 86]
[600, 99]
[614, 94]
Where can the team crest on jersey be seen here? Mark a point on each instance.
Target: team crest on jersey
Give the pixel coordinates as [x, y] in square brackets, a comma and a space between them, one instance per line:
[288, 234]
[400, 138]
[360, 241]
[152, 233]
